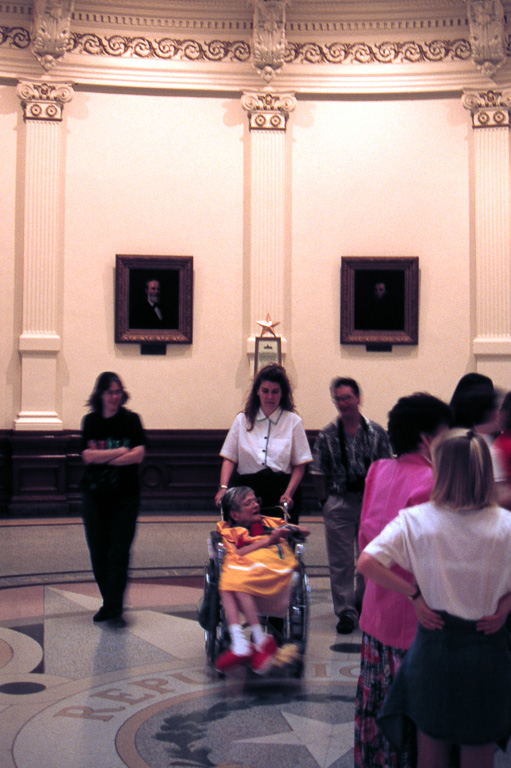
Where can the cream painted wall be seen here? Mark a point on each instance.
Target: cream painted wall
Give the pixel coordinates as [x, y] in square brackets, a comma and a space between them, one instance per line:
[155, 175]
[383, 177]
[10, 276]
[168, 174]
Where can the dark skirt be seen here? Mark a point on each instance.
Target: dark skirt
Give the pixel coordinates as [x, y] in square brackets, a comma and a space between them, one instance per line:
[454, 684]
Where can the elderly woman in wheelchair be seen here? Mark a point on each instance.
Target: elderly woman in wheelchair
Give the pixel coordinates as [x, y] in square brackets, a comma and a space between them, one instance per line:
[258, 566]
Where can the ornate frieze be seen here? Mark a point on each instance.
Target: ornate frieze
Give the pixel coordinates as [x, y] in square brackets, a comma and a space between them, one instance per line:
[44, 101]
[52, 28]
[487, 34]
[15, 37]
[489, 109]
[405, 45]
[163, 48]
[410, 52]
[267, 111]
[384, 53]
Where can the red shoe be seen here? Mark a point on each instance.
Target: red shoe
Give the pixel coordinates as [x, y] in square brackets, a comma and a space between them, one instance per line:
[228, 660]
[262, 659]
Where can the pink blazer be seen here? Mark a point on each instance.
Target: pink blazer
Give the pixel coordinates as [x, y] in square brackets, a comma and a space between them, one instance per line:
[391, 485]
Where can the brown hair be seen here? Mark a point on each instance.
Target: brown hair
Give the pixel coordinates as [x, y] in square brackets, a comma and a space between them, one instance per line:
[275, 374]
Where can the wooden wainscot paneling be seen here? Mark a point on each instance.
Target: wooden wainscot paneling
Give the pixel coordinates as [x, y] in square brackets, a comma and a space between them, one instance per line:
[181, 469]
[40, 473]
[5, 470]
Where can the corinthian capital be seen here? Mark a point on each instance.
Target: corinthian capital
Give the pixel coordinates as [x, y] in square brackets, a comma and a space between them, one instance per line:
[268, 111]
[43, 101]
[52, 29]
[487, 34]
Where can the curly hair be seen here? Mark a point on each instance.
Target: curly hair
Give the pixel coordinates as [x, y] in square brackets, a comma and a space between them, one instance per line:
[413, 416]
[275, 374]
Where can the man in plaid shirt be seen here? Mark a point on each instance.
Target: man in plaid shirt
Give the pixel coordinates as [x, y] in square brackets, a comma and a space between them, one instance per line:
[342, 454]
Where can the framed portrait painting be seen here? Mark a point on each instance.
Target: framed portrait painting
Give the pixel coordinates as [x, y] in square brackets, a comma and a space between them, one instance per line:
[379, 300]
[153, 299]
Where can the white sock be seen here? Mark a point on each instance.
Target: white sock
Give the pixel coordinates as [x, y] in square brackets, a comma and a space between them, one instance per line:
[239, 643]
[258, 635]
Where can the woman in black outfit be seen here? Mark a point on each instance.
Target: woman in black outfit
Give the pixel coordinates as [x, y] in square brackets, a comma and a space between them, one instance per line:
[113, 445]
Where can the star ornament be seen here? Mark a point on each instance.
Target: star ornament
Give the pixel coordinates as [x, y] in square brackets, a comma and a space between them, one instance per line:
[325, 742]
[267, 325]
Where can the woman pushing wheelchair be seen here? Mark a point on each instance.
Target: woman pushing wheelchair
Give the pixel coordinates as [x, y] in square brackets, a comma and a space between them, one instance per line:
[256, 577]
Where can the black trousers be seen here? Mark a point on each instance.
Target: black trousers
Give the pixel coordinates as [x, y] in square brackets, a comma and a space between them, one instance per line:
[269, 487]
[110, 525]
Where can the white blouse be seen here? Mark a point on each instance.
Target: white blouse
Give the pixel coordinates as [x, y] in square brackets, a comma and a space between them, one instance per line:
[278, 442]
[461, 560]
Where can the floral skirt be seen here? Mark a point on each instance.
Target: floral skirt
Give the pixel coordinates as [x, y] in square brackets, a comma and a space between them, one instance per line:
[379, 664]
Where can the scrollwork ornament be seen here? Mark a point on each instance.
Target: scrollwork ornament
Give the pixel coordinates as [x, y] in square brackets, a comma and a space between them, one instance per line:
[43, 101]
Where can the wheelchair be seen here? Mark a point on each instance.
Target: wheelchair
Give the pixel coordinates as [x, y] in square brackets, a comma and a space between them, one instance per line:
[289, 632]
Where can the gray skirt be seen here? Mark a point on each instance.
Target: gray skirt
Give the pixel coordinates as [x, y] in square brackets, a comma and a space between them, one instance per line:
[454, 685]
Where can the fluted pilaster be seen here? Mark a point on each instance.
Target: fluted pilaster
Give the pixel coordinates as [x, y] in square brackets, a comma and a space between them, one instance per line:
[40, 341]
[491, 121]
[268, 115]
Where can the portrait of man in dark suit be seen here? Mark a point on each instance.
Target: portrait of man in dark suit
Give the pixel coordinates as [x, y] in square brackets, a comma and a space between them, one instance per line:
[380, 300]
[154, 299]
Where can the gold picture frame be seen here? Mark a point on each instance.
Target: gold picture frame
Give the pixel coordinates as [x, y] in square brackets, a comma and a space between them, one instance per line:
[379, 300]
[135, 319]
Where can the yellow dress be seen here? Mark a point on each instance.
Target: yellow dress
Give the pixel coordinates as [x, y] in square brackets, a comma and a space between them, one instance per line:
[262, 573]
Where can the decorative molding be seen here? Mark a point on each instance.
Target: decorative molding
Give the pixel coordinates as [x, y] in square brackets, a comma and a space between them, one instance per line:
[43, 101]
[163, 48]
[408, 52]
[354, 47]
[489, 109]
[15, 37]
[121, 46]
[267, 111]
[269, 37]
[487, 34]
[52, 28]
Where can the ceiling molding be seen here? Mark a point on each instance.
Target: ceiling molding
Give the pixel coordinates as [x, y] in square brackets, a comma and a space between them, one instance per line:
[332, 47]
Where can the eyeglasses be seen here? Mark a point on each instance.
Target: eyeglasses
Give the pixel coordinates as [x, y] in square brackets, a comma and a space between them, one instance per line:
[343, 399]
[251, 502]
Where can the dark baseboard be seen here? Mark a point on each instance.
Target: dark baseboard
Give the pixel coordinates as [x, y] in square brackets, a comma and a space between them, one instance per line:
[40, 473]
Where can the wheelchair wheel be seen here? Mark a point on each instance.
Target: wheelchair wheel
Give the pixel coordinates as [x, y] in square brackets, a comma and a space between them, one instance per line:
[215, 634]
[296, 626]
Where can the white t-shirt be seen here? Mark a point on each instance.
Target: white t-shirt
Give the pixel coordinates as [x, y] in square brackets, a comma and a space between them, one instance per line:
[461, 560]
[278, 442]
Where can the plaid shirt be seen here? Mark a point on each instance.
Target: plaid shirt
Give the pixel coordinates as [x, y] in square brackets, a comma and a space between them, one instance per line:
[370, 443]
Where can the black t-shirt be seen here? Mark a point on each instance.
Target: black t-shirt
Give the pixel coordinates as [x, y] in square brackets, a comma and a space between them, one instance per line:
[123, 429]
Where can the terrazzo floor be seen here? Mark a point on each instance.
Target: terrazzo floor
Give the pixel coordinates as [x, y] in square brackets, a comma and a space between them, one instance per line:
[74, 694]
